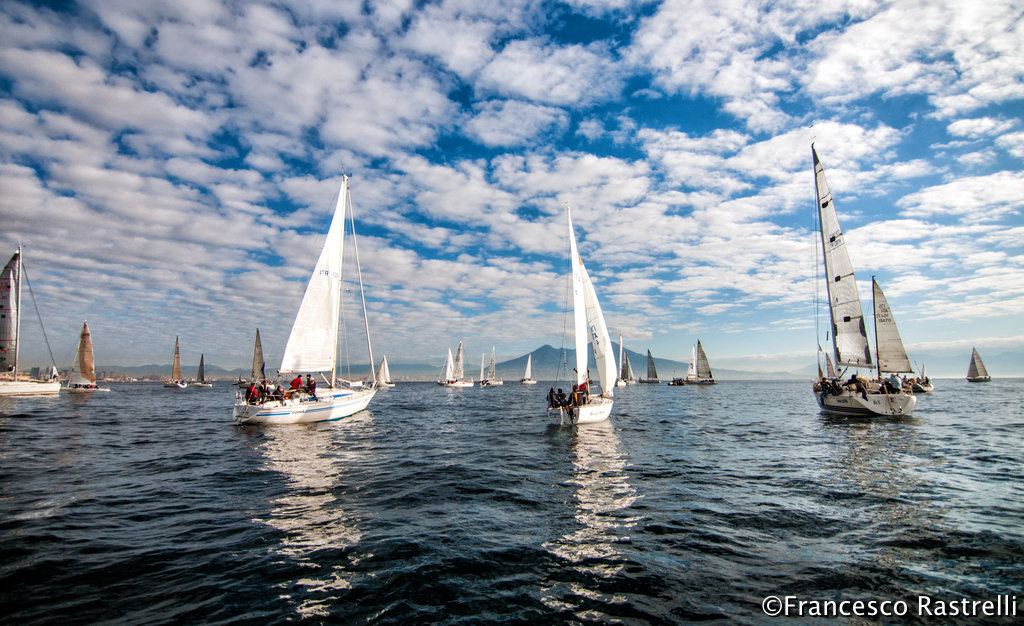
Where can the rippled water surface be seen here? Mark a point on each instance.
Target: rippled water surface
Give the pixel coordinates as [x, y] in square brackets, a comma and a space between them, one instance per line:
[147, 505]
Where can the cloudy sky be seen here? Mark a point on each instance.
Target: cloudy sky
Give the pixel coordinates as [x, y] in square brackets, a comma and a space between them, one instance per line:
[171, 168]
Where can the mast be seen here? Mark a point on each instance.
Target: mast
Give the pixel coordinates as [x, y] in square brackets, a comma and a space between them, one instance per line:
[17, 313]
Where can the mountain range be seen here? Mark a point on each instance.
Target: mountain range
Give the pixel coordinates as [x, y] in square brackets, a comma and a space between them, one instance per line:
[549, 361]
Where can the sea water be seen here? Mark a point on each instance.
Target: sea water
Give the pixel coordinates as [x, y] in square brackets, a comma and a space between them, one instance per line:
[730, 503]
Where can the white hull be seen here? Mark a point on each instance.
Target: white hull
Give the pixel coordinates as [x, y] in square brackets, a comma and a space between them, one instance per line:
[876, 404]
[332, 404]
[29, 388]
[528, 381]
[381, 383]
[201, 384]
[456, 383]
[491, 383]
[175, 385]
[922, 387]
[597, 410]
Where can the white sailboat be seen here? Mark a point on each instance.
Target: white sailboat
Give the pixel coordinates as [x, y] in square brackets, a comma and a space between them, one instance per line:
[453, 373]
[83, 369]
[313, 343]
[652, 372]
[175, 380]
[849, 337]
[13, 383]
[200, 380]
[626, 376]
[922, 384]
[588, 322]
[491, 380]
[527, 378]
[976, 372]
[384, 374]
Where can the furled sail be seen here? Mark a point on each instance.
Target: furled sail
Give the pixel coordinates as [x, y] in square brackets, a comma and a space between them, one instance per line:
[589, 322]
[892, 356]
[313, 343]
[849, 334]
[83, 369]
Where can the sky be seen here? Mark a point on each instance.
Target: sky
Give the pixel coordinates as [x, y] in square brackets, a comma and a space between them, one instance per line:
[171, 169]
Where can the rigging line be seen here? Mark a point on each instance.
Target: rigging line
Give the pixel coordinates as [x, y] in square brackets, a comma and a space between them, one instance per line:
[36, 305]
[362, 295]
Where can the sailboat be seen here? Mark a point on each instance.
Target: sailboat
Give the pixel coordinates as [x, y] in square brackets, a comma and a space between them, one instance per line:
[259, 366]
[454, 371]
[588, 323]
[527, 378]
[849, 337]
[83, 368]
[922, 384]
[384, 374]
[313, 343]
[491, 379]
[626, 376]
[200, 380]
[976, 372]
[12, 383]
[652, 372]
[175, 380]
[699, 370]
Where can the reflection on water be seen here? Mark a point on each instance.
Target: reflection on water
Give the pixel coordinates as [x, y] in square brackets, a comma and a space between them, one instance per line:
[316, 524]
[602, 494]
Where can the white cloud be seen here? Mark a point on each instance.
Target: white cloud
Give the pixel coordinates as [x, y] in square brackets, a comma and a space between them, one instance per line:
[512, 123]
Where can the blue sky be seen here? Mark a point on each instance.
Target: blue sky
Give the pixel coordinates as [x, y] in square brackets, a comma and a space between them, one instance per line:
[170, 169]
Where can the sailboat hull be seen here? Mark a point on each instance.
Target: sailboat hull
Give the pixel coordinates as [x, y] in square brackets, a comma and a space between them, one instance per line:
[597, 410]
[876, 404]
[73, 389]
[979, 379]
[528, 381]
[29, 388]
[333, 404]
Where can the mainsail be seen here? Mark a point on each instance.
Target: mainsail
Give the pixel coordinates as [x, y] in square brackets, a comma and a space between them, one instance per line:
[259, 366]
[460, 358]
[83, 369]
[892, 357]
[528, 375]
[652, 372]
[201, 372]
[176, 366]
[313, 342]
[589, 323]
[384, 372]
[9, 282]
[849, 335]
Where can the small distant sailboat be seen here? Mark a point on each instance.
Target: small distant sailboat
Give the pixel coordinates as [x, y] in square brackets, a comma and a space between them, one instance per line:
[313, 342]
[384, 374]
[588, 323]
[175, 380]
[454, 370]
[83, 368]
[527, 378]
[200, 380]
[698, 372]
[491, 379]
[922, 384]
[11, 382]
[849, 337]
[976, 372]
[259, 366]
[652, 372]
[626, 376]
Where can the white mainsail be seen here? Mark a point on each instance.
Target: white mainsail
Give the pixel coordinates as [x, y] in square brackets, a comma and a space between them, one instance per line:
[312, 344]
[892, 356]
[12, 384]
[528, 375]
[849, 335]
[691, 369]
[589, 323]
[384, 372]
[83, 370]
[491, 375]
[447, 371]
[458, 372]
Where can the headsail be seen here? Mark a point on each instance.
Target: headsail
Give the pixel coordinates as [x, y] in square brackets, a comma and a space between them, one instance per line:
[313, 342]
[703, 367]
[691, 369]
[849, 334]
[892, 356]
